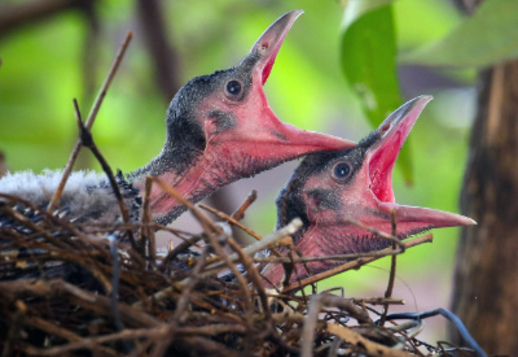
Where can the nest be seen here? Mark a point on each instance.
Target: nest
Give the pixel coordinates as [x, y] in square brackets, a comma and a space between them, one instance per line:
[71, 289]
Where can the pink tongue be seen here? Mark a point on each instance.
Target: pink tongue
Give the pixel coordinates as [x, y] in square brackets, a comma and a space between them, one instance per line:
[267, 69]
[381, 165]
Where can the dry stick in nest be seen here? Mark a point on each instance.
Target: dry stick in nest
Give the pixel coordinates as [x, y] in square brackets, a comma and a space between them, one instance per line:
[236, 216]
[133, 334]
[99, 304]
[210, 230]
[364, 344]
[392, 276]
[14, 327]
[255, 278]
[87, 140]
[88, 259]
[378, 301]
[233, 220]
[360, 343]
[90, 121]
[261, 245]
[146, 232]
[358, 262]
[70, 336]
[216, 267]
[54, 221]
[239, 214]
[181, 308]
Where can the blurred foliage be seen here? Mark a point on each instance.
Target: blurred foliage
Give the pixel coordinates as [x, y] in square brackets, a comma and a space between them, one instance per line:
[368, 59]
[489, 36]
[43, 64]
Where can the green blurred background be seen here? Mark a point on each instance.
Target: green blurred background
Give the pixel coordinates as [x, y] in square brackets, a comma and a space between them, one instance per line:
[47, 63]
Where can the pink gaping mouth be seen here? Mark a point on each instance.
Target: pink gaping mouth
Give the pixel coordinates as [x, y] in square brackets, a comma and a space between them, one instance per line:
[381, 157]
[383, 154]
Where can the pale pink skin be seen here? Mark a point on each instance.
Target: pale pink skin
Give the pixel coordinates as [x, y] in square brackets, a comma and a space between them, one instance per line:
[368, 198]
[259, 137]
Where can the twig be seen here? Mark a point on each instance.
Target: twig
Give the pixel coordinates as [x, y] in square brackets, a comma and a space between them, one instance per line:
[231, 220]
[347, 305]
[97, 340]
[177, 250]
[70, 336]
[203, 219]
[91, 118]
[114, 294]
[14, 329]
[181, 307]
[338, 257]
[210, 228]
[309, 328]
[291, 228]
[261, 245]
[378, 301]
[88, 141]
[98, 244]
[234, 219]
[146, 231]
[239, 214]
[56, 287]
[254, 275]
[235, 222]
[315, 304]
[354, 264]
[392, 275]
[363, 344]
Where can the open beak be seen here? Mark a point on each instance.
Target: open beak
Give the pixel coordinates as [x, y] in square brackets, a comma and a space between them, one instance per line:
[381, 157]
[260, 127]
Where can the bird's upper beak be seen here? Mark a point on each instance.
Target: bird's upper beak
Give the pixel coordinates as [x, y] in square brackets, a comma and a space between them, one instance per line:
[380, 159]
[268, 45]
[260, 132]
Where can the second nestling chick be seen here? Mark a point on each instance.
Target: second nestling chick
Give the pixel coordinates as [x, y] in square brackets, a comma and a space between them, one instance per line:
[329, 189]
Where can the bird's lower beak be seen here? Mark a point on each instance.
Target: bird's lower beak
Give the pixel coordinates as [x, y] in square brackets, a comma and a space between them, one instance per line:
[264, 136]
[414, 219]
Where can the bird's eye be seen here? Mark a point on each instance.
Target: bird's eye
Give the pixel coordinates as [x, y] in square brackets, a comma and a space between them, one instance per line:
[341, 171]
[234, 89]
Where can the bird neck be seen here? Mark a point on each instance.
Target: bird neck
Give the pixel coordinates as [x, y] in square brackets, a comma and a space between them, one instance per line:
[194, 181]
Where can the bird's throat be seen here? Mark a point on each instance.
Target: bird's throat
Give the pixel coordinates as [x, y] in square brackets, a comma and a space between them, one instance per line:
[199, 180]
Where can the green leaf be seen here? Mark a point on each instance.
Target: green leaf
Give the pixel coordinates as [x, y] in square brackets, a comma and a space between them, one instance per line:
[488, 37]
[368, 61]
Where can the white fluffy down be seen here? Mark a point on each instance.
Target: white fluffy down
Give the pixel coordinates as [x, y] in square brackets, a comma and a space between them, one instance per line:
[86, 193]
